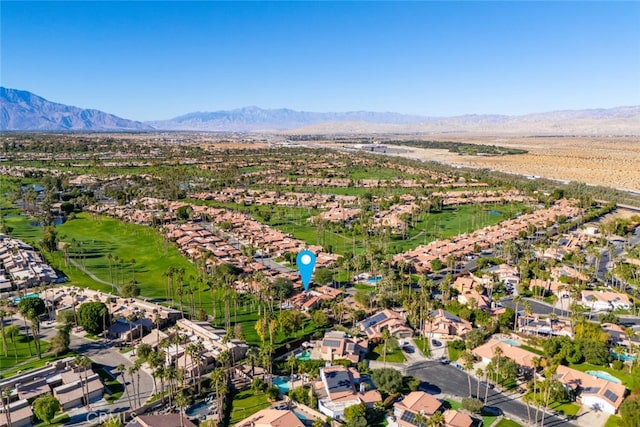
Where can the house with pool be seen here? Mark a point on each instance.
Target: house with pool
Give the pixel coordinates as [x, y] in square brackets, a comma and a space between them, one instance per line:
[594, 389]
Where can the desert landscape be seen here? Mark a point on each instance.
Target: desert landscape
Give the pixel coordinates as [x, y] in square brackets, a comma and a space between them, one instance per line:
[612, 162]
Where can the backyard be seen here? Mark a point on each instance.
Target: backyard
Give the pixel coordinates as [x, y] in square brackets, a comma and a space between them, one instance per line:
[246, 403]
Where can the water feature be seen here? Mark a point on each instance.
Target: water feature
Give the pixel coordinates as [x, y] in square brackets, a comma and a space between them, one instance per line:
[303, 417]
[282, 383]
[604, 375]
[512, 343]
[16, 300]
[198, 409]
[624, 357]
[492, 212]
[305, 355]
[374, 280]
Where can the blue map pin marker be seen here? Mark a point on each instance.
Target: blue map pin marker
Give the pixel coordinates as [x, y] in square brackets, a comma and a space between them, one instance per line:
[306, 261]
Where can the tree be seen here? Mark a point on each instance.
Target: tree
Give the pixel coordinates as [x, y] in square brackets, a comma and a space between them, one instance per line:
[32, 309]
[472, 405]
[93, 317]
[387, 380]
[630, 413]
[60, 342]
[474, 338]
[143, 351]
[320, 318]
[282, 287]
[130, 290]
[182, 401]
[49, 239]
[45, 407]
[323, 276]
[272, 393]
[4, 336]
[354, 411]
[13, 331]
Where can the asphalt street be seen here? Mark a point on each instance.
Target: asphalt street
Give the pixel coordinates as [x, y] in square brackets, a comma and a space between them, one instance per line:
[438, 378]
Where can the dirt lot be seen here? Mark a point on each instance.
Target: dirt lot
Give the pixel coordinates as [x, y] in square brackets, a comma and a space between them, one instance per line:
[612, 162]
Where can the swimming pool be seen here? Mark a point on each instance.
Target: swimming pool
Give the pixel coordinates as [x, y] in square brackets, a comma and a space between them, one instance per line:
[200, 408]
[624, 357]
[374, 280]
[303, 417]
[282, 383]
[305, 355]
[16, 300]
[604, 375]
[511, 342]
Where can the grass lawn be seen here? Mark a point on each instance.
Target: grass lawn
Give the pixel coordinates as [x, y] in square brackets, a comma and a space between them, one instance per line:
[569, 409]
[113, 388]
[454, 354]
[248, 316]
[486, 420]
[622, 376]
[60, 420]
[507, 423]
[423, 345]
[532, 349]
[612, 421]
[247, 403]
[141, 250]
[393, 356]
[22, 349]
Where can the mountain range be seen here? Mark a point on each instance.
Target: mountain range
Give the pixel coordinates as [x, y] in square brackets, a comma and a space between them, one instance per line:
[25, 111]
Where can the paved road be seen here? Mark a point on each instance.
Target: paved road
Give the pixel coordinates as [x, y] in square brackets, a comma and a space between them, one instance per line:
[108, 356]
[447, 380]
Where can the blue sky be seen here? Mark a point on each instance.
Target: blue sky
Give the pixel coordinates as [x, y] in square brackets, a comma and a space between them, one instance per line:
[152, 60]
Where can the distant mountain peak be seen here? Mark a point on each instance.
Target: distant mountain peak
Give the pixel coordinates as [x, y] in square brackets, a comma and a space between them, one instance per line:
[21, 110]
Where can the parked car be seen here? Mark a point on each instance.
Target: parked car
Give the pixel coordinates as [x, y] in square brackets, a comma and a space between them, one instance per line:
[492, 411]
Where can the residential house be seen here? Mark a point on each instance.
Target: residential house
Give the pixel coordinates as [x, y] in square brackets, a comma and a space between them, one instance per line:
[416, 402]
[442, 324]
[393, 321]
[522, 357]
[337, 391]
[593, 392]
[271, 418]
[20, 413]
[605, 300]
[338, 345]
[536, 325]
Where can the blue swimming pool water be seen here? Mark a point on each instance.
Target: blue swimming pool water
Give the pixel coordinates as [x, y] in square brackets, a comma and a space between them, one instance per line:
[605, 376]
[511, 342]
[201, 408]
[374, 280]
[282, 383]
[302, 417]
[624, 357]
[16, 300]
[305, 355]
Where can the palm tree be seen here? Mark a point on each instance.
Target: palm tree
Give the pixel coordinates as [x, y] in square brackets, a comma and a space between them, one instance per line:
[182, 401]
[479, 374]
[121, 369]
[386, 335]
[4, 337]
[4, 398]
[219, 380]
[436, 420]
[467, 365]
[252, 356]
[83, 363]
[13, 331]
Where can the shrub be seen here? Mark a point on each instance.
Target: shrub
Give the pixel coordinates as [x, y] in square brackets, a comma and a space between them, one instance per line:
[472, 405]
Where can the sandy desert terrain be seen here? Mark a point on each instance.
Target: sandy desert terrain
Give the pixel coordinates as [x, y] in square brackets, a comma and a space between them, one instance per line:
[612, 162]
